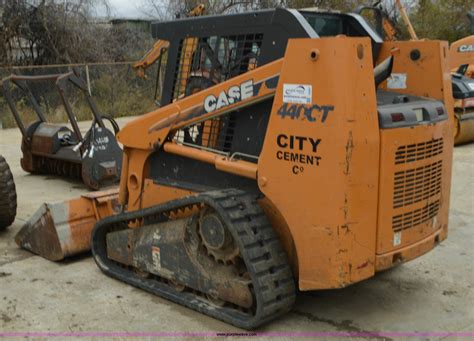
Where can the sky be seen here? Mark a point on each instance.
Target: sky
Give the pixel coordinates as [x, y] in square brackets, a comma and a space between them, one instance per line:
[126, 8]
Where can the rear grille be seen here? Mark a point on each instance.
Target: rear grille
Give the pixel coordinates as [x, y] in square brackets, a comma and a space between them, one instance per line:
[419, 151]
[417, 184]
[416, 217]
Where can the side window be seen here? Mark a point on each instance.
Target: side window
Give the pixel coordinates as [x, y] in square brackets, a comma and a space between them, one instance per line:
[326, 26]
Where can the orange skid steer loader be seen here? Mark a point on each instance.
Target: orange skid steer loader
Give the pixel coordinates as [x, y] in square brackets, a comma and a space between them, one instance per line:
[288, 162]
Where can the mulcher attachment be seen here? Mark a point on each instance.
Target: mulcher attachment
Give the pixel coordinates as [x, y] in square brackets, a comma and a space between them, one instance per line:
[7, 195]
[214, 252]
[48, 148]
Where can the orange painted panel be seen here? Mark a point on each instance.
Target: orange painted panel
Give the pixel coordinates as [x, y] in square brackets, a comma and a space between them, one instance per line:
[320, 160]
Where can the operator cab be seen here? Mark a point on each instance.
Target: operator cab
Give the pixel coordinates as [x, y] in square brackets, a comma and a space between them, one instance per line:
[332, 23]
[215, 53]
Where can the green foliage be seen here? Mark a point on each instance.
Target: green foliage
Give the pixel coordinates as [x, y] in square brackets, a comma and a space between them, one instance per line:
[119, 95]
[442, 19]
[116, 90]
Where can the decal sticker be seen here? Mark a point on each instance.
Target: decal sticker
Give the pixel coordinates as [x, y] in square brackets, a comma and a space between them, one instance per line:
[471, 85]
[297, 93]
[313, 113]
[101, 143]
[233, 95]
[300, 151]
[466, 48]
[156, 256]
[397, 81]
[397, 238]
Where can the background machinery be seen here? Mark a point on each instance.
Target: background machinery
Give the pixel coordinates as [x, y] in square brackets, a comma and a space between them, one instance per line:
[48, 148]
[7, 195]
[461, 54]
[281, 160]
[159, 48]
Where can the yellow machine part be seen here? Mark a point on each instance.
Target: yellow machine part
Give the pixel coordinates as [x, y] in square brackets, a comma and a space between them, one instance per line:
[464, 127]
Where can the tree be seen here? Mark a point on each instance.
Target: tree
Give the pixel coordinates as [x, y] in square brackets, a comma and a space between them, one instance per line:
[49, 31]
[163, 10]
[442, 19]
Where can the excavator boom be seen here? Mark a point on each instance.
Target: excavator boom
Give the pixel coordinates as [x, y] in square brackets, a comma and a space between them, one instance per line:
[160, 46]
[150, 58]
[406, 19]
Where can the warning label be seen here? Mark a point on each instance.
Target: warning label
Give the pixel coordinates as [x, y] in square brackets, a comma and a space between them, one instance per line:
[156, 256]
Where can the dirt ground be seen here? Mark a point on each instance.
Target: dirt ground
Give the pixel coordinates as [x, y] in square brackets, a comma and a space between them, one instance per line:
[431, 294]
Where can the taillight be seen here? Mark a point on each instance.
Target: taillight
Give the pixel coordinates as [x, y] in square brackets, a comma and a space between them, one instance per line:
[468, 102]
[398, 117]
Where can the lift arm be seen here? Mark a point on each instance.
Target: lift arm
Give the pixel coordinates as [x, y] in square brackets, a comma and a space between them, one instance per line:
[153, 128]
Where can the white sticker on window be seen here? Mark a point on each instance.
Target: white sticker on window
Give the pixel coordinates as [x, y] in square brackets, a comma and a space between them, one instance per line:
[298, 93]
[397, 81]
[397, 238]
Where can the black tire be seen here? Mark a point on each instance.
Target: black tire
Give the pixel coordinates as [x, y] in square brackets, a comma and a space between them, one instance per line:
[7, 195]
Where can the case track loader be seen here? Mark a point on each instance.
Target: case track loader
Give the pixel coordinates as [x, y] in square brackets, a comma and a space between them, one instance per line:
[283, 160]
[7, 195]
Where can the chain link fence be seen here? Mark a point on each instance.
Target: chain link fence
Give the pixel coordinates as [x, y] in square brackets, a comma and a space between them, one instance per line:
[115, 88]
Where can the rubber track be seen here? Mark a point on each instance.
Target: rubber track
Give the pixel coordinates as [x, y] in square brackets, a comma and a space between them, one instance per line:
[272, 279]
[7, 195]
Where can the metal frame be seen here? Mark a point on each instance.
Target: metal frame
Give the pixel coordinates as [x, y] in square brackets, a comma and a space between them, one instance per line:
[61, 80]
[277, 26]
